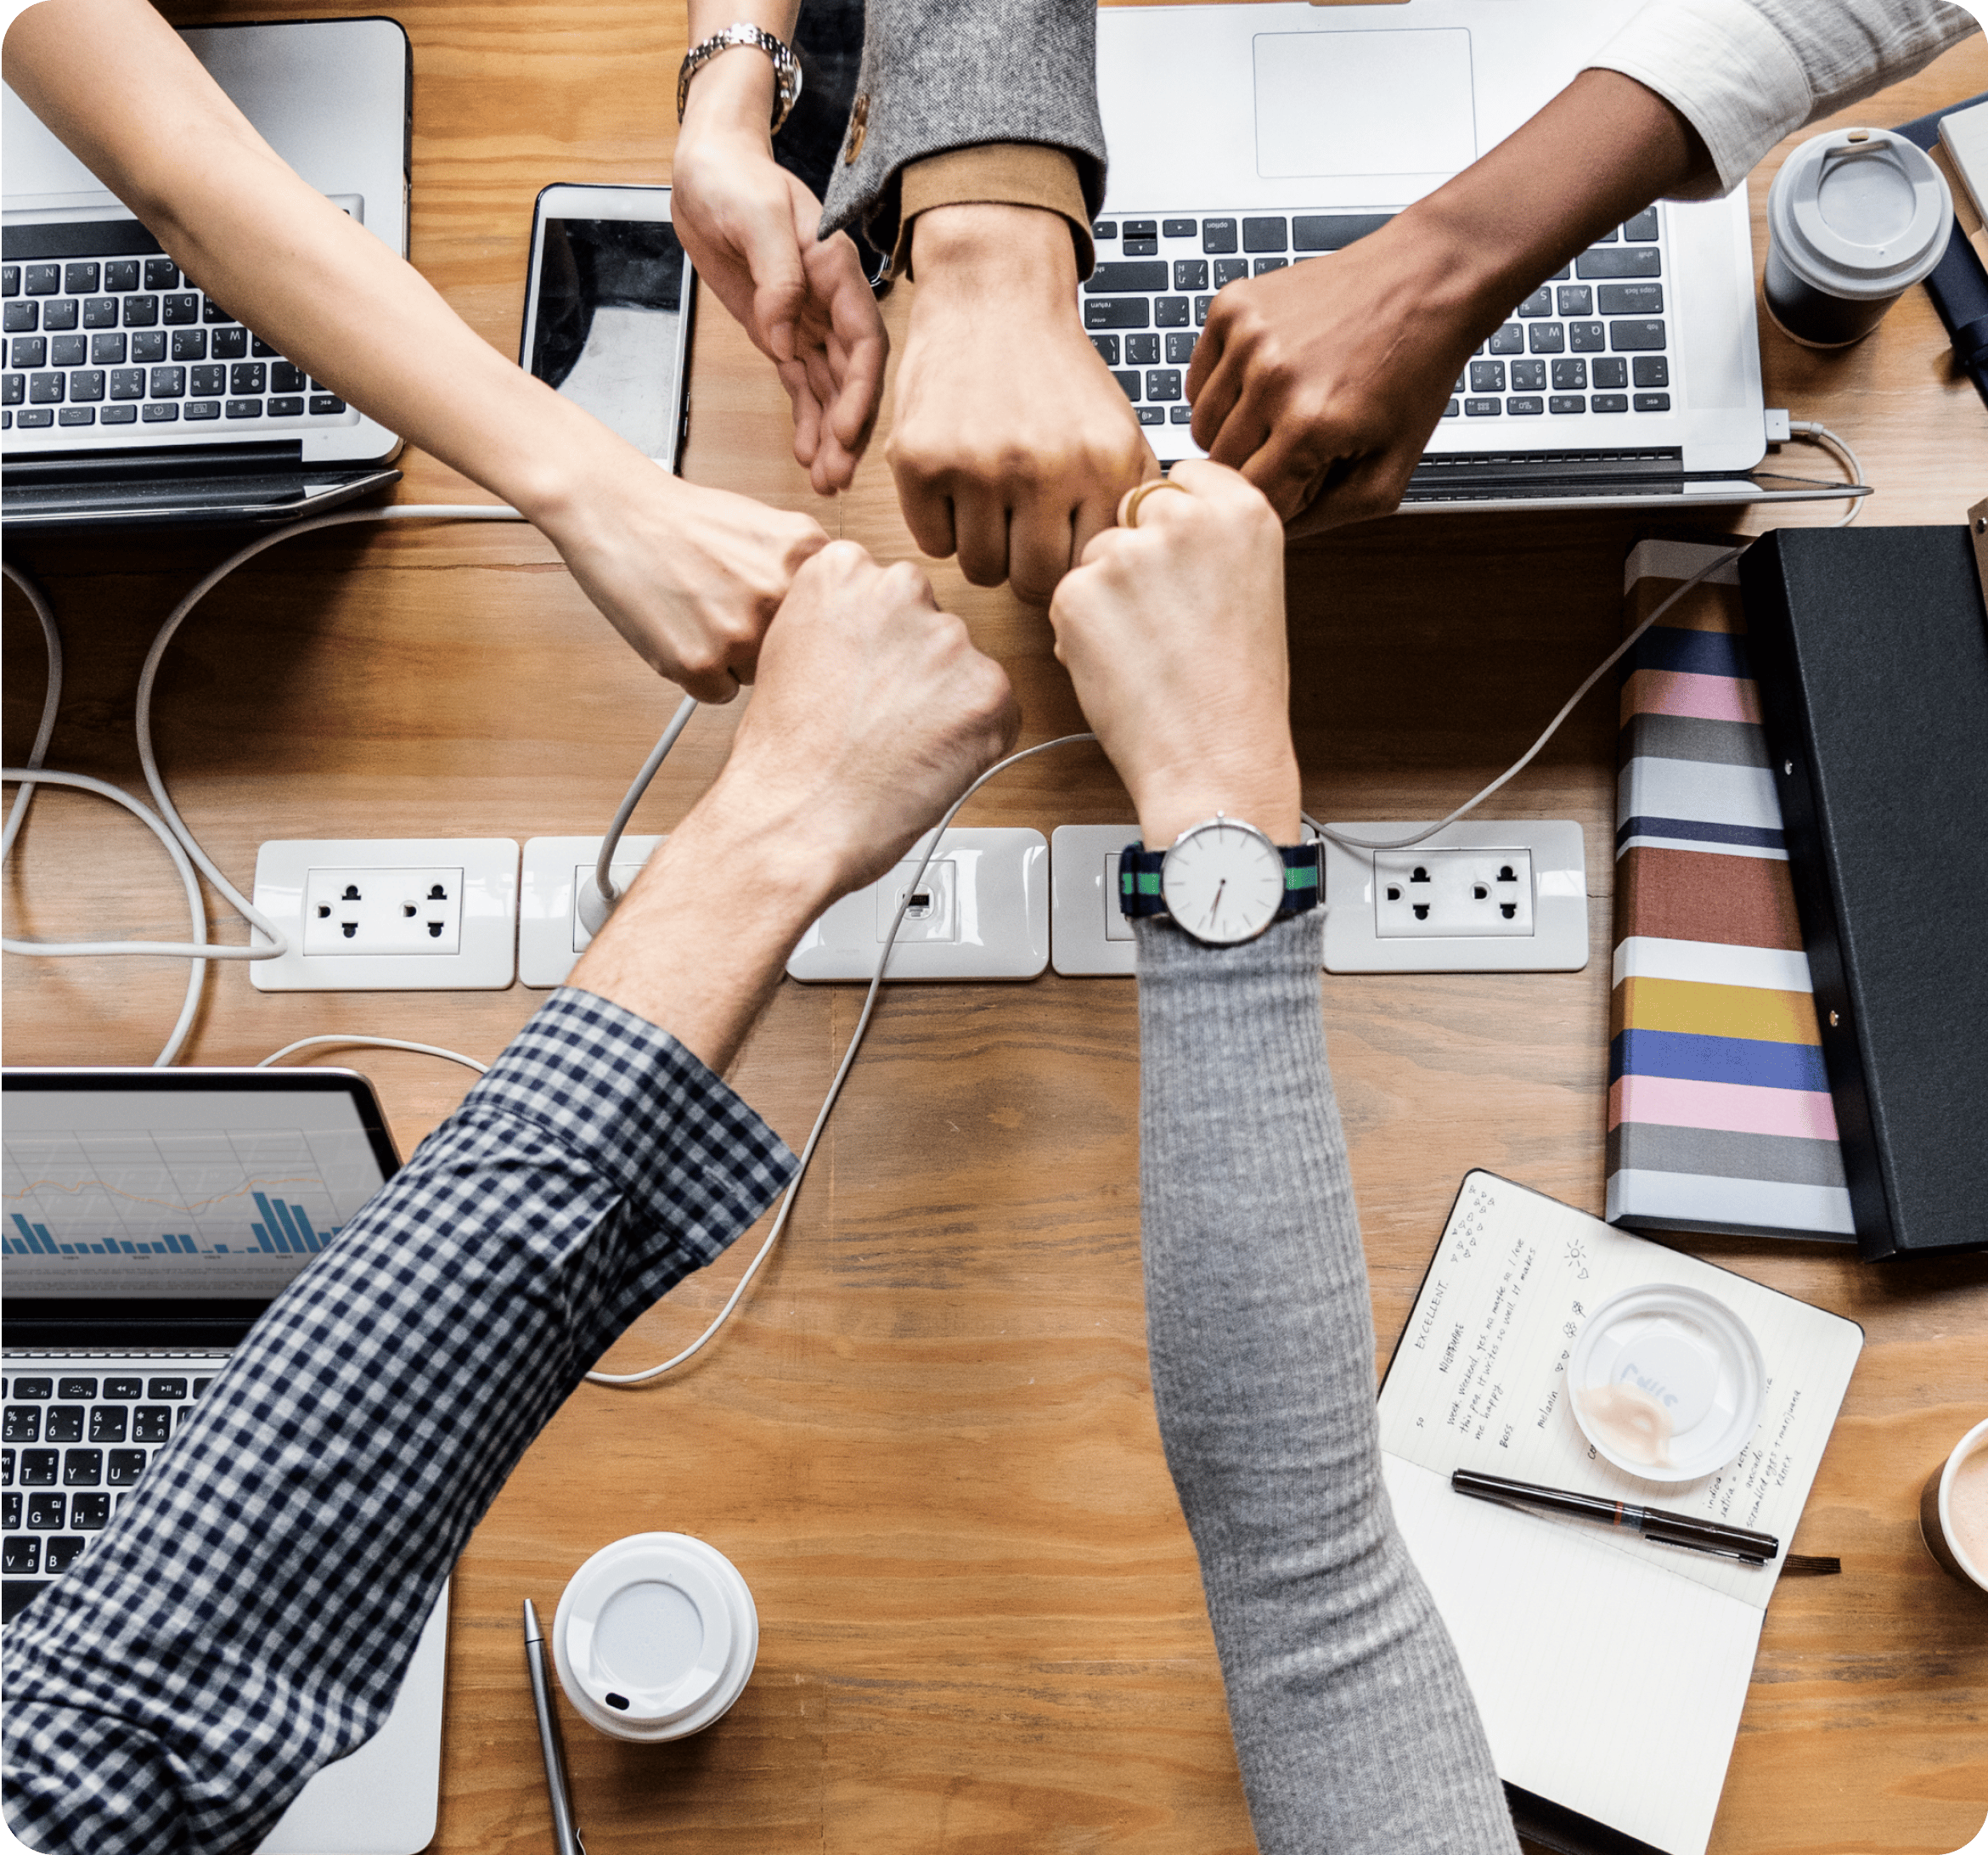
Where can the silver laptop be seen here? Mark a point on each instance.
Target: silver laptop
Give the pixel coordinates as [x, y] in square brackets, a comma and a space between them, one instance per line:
[1246, 138]
[132, 397]
[150, 1216]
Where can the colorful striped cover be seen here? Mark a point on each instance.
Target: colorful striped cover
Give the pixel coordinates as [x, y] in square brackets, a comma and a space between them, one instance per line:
[1718, 1110]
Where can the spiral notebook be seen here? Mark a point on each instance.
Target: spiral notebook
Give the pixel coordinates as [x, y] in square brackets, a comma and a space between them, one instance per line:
[1610, 1672]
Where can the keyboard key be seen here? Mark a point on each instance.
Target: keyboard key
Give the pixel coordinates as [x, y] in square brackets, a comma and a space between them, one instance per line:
[1265, 235]
[1140, 247]
[64, 1424]
[75, 1388]
[1509, 340]
[1643, 228]
[1525, 408]
[1652, 402]
[1576, 300]
[1483, 408]
[20, 316]
[231, 344]
[45, 389]
[33, 418]
[210, 379]
[127, 383]
[1626, 261]
[1142, 350]
[1264, 264]
[1202, 306]
[1586, 337]
[148, 346]
[1217, 237]
[20, 1552]
[15, 390]
[127, 1465]
[1116, 313]
[1528, 377]
[48, 1512]
[1626, 337]
[243, 408]
[1650, 370]
[76, 415]
[1570, 376]
[211, 312]
[286, 379]
[140, 311]
[1547, 337]
[1105, 229]
[43, 280]
[1487, 376]
[1333, 231]
[1181, 350]
[83, 280]
[1562, 403]
[1609, 403]
[1107, 348]
[161, 274]
[168, 383]
[28, 350]
[1152, 415]
[122, 274]
[325, 402]
[1191, 273]
[151, 1423]
[1179, 228]
[157, 412]
[10, 1506]
[82, 1468]
[190, 344]
[1450, 410]
[60, 312]
[62, 1553]
[38, 1467]
[1163, 383]
[89, 1513]
[1170, 312]
[9, 280]
[1540, 303]
[22, 1424]
[1610, 372]
[1230, 270]
[69, 350]
[1142, 228]
[200, 1387]
[107, 1424]
[124, 1388]
[6, 1467]
[1107, 280]
[202, 408]
[106, 351]
[118, 414]
[180, 307]
[1129, 382]
[1629, 299]
[245, 377]
[100, 312]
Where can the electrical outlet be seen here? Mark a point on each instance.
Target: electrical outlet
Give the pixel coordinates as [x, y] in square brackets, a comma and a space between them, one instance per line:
[1090, 936]
[551, 936]
[388, 914]
[984, 915]
[1481, 896]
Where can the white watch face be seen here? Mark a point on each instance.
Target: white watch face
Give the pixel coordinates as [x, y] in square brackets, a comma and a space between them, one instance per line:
[1223, 881]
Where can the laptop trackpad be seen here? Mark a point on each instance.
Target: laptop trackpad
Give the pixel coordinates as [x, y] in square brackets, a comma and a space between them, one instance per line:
[1375, 103]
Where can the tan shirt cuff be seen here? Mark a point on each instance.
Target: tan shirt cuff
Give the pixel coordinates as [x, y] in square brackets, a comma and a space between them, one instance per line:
[997, 173]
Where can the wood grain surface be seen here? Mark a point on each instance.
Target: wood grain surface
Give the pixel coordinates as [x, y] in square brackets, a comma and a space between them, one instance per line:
[927, 1438]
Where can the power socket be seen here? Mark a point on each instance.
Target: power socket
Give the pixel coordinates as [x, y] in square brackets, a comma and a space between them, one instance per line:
[388, 914]
[1481, 896]
[980, 911]
[551, 936]
[1090, 936]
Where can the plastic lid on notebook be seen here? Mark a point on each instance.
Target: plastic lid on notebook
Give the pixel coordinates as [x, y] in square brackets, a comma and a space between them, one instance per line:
[1666, 1382]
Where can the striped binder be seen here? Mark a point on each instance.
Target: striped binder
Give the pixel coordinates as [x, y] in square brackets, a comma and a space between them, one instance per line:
[1719, 1109]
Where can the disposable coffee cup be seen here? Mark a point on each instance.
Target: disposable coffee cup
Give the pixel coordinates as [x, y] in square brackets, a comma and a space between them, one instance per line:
[1953, 1509]
[655, 1636]
[1855, 219]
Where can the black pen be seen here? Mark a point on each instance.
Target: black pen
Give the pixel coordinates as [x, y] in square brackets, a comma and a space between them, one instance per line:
[1750, 1548]
[565, 1831]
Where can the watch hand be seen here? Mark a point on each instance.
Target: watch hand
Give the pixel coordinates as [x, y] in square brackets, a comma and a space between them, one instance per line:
[1216, 903]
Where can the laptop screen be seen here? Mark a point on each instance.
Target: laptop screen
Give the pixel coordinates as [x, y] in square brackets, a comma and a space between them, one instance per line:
[138, 1185]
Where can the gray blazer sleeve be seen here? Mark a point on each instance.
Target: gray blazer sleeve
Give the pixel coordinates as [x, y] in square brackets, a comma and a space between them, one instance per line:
[939, 75]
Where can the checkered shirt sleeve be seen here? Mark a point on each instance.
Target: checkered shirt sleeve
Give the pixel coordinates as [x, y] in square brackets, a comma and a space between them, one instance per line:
[250, 1614]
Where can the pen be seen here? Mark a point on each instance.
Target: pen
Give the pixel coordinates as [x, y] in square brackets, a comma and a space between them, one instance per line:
[1652, 1523]
[565, 1831]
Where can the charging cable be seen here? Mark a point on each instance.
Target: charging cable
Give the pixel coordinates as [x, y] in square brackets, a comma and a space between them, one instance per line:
[375, 1043]
[1817, 433]
[594, 905]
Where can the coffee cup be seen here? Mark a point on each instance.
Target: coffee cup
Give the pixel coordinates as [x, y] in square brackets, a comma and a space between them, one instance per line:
[1855, 219]
[656, 1637]
[1953, 1509]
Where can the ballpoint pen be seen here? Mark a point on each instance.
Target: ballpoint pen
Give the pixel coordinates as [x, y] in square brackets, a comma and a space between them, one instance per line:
[1652, 1523]
[565, 1831]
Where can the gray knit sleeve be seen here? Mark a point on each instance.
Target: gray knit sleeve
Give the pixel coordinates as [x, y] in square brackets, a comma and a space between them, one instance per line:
[1353, 1726]
[939, 75]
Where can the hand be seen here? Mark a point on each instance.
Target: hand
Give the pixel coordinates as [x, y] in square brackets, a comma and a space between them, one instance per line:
[750, 229]
[1010, 441]
[691, 577]
[1173, 632]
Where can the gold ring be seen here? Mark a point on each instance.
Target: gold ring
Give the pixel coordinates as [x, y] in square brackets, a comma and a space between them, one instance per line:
[1129, 508]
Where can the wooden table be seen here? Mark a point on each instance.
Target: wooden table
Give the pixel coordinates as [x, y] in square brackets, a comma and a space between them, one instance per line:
[927, 1438]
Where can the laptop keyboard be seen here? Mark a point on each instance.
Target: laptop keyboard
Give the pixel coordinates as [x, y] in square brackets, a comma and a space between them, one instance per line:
[72, 1445]
[1593, 339]
[126, 341]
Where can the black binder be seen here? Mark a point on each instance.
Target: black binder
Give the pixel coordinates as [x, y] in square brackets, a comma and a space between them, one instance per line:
[1870, 646]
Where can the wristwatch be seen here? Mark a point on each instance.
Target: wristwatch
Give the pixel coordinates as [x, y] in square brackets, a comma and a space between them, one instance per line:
[786, 68]
[1223, 880]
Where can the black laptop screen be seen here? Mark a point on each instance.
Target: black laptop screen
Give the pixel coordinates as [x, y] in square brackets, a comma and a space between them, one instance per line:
[117, 1192]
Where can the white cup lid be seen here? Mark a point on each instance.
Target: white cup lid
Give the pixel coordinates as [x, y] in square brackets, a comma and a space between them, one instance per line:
[1859, 213]
[1666, 1382]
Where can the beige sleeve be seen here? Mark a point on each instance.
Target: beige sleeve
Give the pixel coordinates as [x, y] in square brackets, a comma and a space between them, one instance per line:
[1006, 173]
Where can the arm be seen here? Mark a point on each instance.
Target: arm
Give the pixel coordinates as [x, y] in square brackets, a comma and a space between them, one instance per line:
[690, 576]
[1355, 1728]
[1322, 382]
[250, 1614]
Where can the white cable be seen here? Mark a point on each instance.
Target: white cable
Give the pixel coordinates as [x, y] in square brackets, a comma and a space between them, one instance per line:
[1817, 433]
[604, 864]
[380, 1043]
[835, 1088]
[50, 701]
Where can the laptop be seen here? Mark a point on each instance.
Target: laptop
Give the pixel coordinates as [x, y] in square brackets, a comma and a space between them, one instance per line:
[150, 1216]
[1246, 137]
[132, 398]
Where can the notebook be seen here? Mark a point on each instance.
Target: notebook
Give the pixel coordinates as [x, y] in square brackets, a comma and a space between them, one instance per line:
[1720, 1116]
[1610, 1672]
